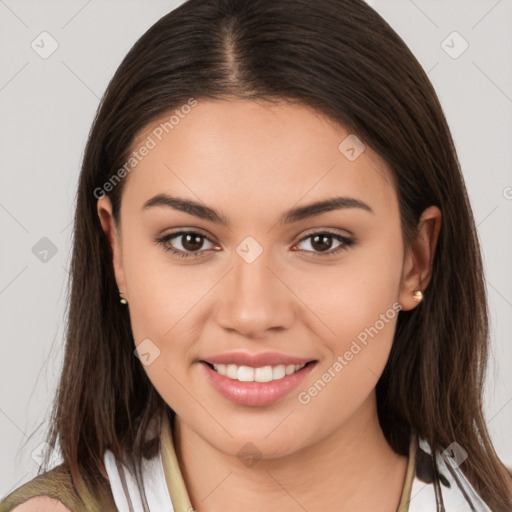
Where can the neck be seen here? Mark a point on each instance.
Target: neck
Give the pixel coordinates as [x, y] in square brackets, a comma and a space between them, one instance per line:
[353, 468]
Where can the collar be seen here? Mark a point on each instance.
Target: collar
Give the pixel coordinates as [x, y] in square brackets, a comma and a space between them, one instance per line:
[173, 477]
[432, 482]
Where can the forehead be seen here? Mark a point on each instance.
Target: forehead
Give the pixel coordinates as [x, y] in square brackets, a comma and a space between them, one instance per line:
[258, 155]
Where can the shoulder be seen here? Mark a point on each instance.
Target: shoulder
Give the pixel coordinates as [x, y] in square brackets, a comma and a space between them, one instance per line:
[54, 491]
[41, 504]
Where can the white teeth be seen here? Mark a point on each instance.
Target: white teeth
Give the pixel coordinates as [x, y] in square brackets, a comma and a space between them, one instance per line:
[290, 369]
[262, 374]
[231, 371]
[245, 373]
[278, 372]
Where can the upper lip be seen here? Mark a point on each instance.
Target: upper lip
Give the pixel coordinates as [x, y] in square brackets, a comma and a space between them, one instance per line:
[255, 360]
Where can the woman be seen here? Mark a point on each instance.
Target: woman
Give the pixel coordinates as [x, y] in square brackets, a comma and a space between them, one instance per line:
[277, 297]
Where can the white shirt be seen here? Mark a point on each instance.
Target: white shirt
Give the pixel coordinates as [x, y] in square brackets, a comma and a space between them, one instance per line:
[155, 487]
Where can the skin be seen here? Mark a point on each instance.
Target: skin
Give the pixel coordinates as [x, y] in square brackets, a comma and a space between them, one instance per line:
[252, 161]
[41, 504]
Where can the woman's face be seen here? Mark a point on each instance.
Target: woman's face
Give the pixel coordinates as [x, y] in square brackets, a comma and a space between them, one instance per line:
[265, 279]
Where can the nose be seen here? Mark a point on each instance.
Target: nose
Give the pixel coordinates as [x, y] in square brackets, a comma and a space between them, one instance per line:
[255, 299]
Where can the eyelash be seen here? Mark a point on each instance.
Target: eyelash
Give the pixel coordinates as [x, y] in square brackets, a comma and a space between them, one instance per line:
[163, 241]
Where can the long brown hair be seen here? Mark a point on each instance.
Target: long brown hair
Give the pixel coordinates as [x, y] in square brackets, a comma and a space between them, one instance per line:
[341, 58]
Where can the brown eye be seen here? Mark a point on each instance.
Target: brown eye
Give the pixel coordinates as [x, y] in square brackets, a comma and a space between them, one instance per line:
[191, 242]
[322, 242]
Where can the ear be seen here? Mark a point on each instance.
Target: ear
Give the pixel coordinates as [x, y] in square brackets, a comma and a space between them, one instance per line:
[417, 268]
[113, 233]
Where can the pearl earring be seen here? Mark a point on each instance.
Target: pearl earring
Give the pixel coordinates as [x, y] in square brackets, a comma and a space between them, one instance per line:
[417, 295]
[122, 300]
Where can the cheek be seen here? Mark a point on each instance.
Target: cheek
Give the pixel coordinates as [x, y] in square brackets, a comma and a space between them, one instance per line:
[356, 352]
[357, 302]
[163, 306]
[167, 307]
[355, 349]
[358, 292]
[346, 382]
[162, 293]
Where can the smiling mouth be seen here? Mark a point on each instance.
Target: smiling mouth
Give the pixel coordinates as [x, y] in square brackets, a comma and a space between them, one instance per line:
[260, 374]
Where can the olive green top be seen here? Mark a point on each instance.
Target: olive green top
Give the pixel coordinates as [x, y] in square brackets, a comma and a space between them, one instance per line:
[57, 483]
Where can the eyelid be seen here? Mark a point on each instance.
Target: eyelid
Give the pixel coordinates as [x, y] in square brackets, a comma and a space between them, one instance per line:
[171, 236]
[333, 231]
[185, 229]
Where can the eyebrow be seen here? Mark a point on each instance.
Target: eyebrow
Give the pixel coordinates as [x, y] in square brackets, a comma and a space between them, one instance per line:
[294, 215]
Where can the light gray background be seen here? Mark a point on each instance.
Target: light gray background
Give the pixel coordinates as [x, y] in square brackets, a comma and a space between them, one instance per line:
[46, 109]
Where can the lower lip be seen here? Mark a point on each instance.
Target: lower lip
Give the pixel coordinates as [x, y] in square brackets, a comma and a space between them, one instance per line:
[256, 393]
